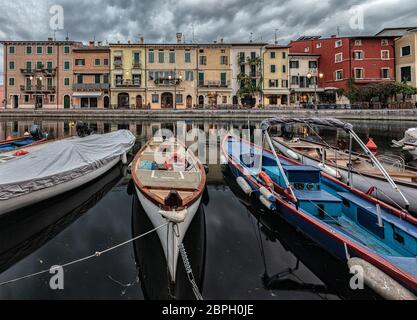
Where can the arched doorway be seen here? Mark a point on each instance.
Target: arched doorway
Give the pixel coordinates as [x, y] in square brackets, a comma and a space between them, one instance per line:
[123, 101]
[201, 100]
[67, 102]
[189, 102]
[15, 101]
[106, 102]
[138, 102]
[235, 100]
[167, 100]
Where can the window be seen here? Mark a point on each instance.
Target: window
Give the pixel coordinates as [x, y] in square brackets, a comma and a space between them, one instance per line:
[29, 65]
[272, 55]
[39, 65]
[49, 82]
[80, 62]
[284, 68]
[223, 78]
[11, 65]
[49, 66]
[359, 73]
[307, 49]
[136, 58]
[106, 78]
[97, 78]
[358, 43]
[203, 60]
[339, 75]
[273, 69]
[338, 44]
[384, 42]
[338, 57]
[385, 74]
[187, 57]
[50, 50]
[295, 80]
[284, 55]
[66, 65]
[284, 83]
[223, 60]
[151, 56]
[405, 51]
[179, 98]
[28, 50]
[189, 75]
[106, 62]
[358, 55]
[137, 79]
[12, 50]
[161, 56]
[80, 78]
[39, 50]
[224, 99]
[253, 55]
[66, 82]
[11, 82]
[66, 50]
[155, 98]
[273, 83]
[201, 79]
[97, 62]
[52, 98]
[406, 74]
[312, 64]
[318, 45]
[294, 64]
[385, 54]
[171, 57]
[26, 97]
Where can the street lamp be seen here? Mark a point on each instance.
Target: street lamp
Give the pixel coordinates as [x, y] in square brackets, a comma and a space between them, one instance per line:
[320, 76]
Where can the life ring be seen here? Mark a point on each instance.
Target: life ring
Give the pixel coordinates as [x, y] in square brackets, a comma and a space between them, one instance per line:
[266, 179]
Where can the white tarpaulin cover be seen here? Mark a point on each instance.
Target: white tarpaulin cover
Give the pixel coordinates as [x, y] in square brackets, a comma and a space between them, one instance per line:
[61, 161]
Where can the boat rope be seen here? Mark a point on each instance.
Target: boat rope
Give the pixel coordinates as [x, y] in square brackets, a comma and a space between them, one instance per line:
[97, 254]
[189, 272]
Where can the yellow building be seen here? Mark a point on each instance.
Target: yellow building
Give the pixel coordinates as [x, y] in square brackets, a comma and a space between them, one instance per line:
[214, 74]
[406, 58]
[127, 76]
[171, 71]
[275, 75]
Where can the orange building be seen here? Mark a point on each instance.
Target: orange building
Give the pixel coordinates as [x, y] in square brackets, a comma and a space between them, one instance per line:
[91, 82]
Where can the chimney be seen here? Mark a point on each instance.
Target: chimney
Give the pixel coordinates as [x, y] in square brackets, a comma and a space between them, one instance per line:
[142, 40]
[50, 39]
[99, 43]
[179, 37]
[221, 40]
[91, 43]
[333, 36]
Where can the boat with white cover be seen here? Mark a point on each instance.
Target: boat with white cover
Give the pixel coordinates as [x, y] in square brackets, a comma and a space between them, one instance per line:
[169, 181]
[56, 167]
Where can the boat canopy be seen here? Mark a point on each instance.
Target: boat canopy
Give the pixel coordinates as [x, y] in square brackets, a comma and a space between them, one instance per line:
[61, 161]
[325, 122]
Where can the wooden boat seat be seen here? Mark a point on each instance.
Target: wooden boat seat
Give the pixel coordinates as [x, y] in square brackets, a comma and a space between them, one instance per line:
[160, 179]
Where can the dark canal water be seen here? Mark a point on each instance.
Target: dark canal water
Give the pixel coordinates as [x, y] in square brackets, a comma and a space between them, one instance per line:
[237, 250]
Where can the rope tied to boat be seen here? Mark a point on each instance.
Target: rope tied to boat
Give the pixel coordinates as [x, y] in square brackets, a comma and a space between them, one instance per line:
[189, 271]
[97, 254]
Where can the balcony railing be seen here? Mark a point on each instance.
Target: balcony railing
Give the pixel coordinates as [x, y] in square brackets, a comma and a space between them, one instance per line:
[215, 84]
[167, 82]
[90, 86]
[37, 88]
[49, 72]
[136, 65]
[118, 64]
[128, 83]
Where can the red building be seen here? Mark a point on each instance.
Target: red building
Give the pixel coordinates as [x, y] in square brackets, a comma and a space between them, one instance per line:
[364, 59]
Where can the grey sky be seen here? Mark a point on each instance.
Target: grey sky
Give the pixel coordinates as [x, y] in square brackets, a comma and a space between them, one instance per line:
[233, 20]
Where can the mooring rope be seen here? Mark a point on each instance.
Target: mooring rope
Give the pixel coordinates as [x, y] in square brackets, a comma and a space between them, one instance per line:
[94, 255]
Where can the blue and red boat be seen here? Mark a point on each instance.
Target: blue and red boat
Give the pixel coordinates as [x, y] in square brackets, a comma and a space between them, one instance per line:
[351, 225]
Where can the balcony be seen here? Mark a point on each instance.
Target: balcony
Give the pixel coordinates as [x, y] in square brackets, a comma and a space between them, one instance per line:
[167, 82]
[128, 83]
[118, 64]
[49, 72]
[91, 86]
[37, 88]
[215, 84]
[136, 65]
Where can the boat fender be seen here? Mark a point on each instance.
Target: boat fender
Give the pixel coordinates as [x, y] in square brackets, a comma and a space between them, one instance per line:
[124, 158]
[21, 153]
[268, 204]
[174, 216]
[380, 282]
[371, 145]
[246, 188]
[330, 171]
[291, 154]
[267, 194]
[266, 179]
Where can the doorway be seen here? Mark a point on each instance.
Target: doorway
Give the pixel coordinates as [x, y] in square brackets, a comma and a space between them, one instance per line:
[106, 102]
[167, 100]
[189, 102]
[67, 102]
[15, 101]
[139, 102]
[38, 102]
[123, 101]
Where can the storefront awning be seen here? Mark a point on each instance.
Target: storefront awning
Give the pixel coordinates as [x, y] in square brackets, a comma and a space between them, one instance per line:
[87, 94]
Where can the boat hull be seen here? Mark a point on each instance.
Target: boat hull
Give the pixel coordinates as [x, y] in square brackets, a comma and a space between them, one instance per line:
[44, 194]
[364, 182]
[171, 235]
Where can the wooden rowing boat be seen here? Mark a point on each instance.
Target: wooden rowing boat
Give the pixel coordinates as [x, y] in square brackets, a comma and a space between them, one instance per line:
[169, 182]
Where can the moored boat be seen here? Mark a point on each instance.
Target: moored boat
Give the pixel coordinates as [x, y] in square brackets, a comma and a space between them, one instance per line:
[34, 137]
[345, 221]
[56, 167]
[169, 182]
